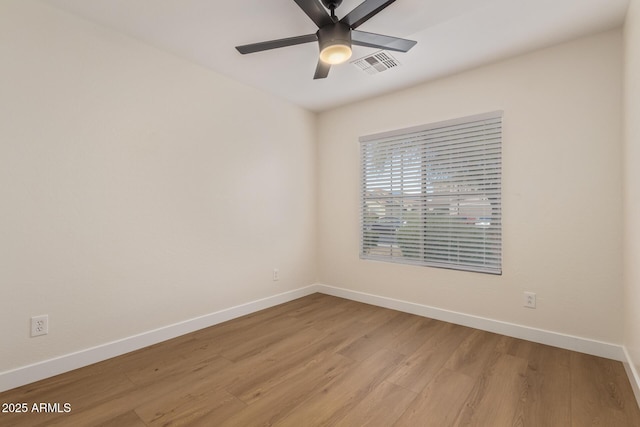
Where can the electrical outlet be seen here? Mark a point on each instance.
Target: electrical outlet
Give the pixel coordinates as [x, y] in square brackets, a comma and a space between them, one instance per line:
[530, 300]
[276, 274]
[40, 325]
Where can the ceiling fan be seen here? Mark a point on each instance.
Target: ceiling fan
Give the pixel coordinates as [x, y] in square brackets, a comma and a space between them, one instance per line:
[335, 36]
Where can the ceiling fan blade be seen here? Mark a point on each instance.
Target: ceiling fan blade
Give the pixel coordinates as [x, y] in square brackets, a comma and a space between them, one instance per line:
[315, 11]
[361, 38]
[274, 44]
[322, 70]
[364, 11]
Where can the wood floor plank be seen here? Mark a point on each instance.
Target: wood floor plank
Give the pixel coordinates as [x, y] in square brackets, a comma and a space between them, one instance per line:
[80, 388]
[104, 412]
[473, 354]
[274, 403]
[261, 375]
[323, 360]
[160, 370]
[367, 313]
[369, 412]
[170, 387]
[422, 366]
[252, 388]
[379, 337]
[261, 339]
[547, 398]
[140, 358]
[494, 399]
[77, 386]
[184, 407]
[333, 402]
[414, 335]
[445, 335]
[440, 403]
[128, 419]
[322, 309]
[600, 393]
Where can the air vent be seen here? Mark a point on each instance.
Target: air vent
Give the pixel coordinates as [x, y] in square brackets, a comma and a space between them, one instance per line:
[376, 63]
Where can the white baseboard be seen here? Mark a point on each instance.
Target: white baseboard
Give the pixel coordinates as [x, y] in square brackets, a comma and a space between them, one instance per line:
[569, 342]
[48, 368]
[632, 373]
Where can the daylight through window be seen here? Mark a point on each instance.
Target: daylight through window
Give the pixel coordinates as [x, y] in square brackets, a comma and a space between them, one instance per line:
[431, 195]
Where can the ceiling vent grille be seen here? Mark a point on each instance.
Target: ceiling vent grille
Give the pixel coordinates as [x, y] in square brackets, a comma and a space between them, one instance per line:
[376, 63]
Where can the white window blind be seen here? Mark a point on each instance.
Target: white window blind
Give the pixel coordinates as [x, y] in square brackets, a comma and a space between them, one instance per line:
[431, 195]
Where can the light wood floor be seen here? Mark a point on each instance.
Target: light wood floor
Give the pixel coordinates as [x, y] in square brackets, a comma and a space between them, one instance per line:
[322, 360]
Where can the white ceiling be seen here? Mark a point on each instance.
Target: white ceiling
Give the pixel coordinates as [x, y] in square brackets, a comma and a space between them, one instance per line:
[452, 35]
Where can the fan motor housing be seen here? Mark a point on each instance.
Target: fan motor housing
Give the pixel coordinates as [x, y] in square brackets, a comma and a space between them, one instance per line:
[331, 4]
[337, 33]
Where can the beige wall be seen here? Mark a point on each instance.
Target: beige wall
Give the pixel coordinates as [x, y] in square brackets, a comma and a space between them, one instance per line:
[136, 189]
[632, 184]
[562, 198]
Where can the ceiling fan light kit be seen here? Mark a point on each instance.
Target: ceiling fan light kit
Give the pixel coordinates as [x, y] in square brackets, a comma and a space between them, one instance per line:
[336, 36]
[335, 43]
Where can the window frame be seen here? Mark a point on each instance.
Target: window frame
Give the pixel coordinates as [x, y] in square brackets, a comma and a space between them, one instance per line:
[478, 245]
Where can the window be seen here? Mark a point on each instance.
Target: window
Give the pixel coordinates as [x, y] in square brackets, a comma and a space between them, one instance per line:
[431, 195]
